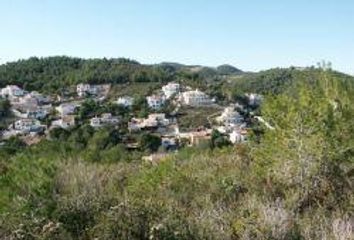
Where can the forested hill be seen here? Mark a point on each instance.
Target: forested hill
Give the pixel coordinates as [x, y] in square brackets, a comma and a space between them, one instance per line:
[53, 73]
[277, 80]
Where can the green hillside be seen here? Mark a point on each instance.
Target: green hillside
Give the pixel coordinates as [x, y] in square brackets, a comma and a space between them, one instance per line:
[295, 182]
[53, 74]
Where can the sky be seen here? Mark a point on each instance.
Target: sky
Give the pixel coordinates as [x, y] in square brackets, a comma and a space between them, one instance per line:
[250, 34]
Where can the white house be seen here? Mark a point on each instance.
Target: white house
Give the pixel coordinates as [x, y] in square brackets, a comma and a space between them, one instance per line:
[254, 99]
[37, 113]
[195, 98]
[152, 121]
[28, 100]
[83, 89]
[155, 101]
[27, 125]
[95, 122]
[41, 99]
[108, 118]
[170, 89]
[195, 137]
[66, 108]
[136, 124]
[156, 119]
[238, 136]
[230, 117]
[12, 91]
[105, 119]
[65, 122]
[30, 112]
[125, 101]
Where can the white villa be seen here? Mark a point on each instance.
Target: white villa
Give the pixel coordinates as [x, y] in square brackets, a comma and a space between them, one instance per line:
[84, 89]
[152, 121]
[30, 112]
[65, 122]
[195, 137]
[238, 136]
[23, 126]
[28, 99]
[41, 99]
[155, 101]
[105, 119]
[230, 117]
[125, 101]
[66, 109]
[158, 118]
[254, 99]
[170, 89]
[12, 91]
[195, 98]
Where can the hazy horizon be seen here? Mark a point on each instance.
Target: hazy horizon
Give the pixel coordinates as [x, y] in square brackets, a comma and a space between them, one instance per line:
[250, 36]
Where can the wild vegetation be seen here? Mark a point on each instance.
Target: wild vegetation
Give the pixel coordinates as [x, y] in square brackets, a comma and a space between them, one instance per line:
[54, 74]
[292, 182]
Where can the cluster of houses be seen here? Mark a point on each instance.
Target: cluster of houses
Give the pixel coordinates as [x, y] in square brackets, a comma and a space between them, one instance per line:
[24, 127]
[30, 108]
[233, 124]
[172, 91]
[26, 104]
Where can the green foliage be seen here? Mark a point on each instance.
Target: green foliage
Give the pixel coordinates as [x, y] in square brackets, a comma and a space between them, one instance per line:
[190, 118]
[149, 142]
[59, 134]
[4, 108]
[218, 140]
[307, 158]
[91, 108]
[12, 145]
[141, 106]
[57, 73]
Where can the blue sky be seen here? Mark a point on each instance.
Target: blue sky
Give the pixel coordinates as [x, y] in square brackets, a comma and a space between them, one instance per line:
[252, 35]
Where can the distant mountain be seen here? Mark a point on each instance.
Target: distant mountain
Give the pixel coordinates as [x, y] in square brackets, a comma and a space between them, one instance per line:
[228, 70]
[171, 64]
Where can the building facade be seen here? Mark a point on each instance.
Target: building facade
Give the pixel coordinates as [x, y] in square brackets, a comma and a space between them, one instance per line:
[155, 101]
[195, 98]
[171, 89]
[125, 101]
